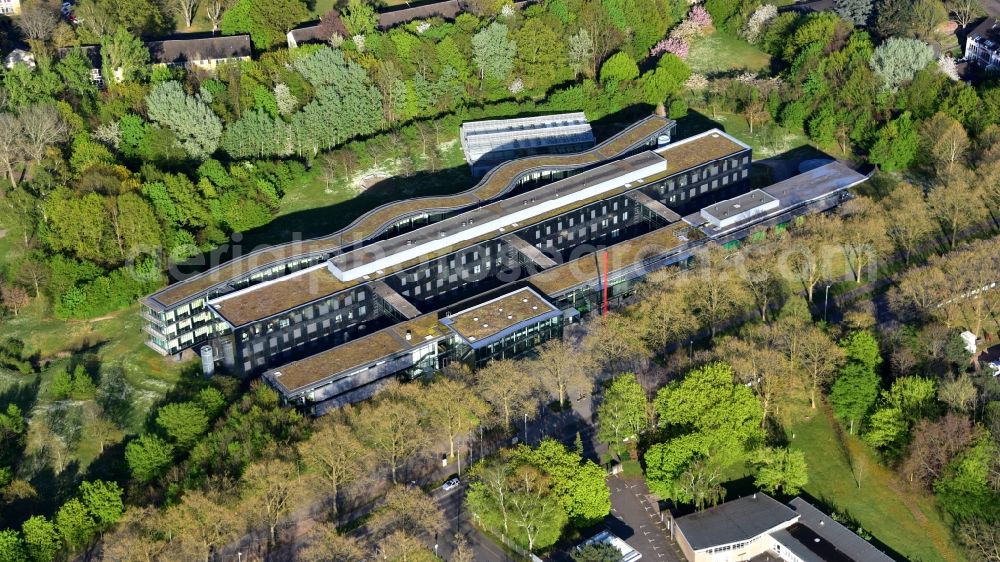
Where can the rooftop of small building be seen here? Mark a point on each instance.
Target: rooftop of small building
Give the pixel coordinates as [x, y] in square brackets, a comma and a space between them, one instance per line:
[492, 185]
[357, 353]
[829, 539]
[739, 204]
[988, 29]
[196, 47]
[490, 318]
[734, 521]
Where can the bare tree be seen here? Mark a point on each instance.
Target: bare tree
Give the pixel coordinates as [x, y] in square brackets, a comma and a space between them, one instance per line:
[272, 489]
[214, 11]
[958, 204]
[38, 19]
[43, 127]
[508, 389]
[324, 543]
[337, 455]
[563, 369]
[198, 526]
[982, 538]
[911, 224]
[821, 357]
[453, 410]
[863, 237]
[759, 270]
[14, 297]
[935, 444]
[410, 510]
[810, 248]
[965, 11]
[393, 428]
[185, 9]
[12, 148]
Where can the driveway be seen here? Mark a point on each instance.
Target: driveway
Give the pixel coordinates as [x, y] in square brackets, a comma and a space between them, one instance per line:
[636, 520]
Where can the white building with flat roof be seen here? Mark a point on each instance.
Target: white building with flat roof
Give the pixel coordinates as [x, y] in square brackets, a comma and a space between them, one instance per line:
[487, 144]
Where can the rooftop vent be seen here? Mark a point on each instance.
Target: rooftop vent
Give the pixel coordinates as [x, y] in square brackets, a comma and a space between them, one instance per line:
[510, 317]
[533, 307]
[409, 335]
[443, 234]
[486, 325]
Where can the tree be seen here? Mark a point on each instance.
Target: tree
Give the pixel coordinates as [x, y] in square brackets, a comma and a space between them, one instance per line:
[896, 144]
[508, 389]
[489, 494]
[41, 539]
[945, 143]
[854, 393]
[541, 52]
[715, 294]
[266, 24]
[123, 56]
[214, 11]
[858, 12]
[811, 244]
[614, 343]
[199, 526]
[12, 147]
[14, 297]
[911, 225]
[537, 519]
[185, 9]
[886, 429]
[493, 52]
[758, 363]
[581, 52]
[453, 410]
[958, 204]
[272, 489]
[960, 394]
[701, 484]
[324, 543]
[196, 126]
[981, 537]
[11, 547]
[779, 469]
[935, 444]
[37, 20]
[148, 457]
[76, 527]
[821, 357]
[578, 485]
[563, 369]
[184, 422]
[393, 429]
[619, 68]
[597, 552]
[337, 455]
[622, 413]
[103, 501]
[43, 126]
[863, 237]
[410, 510]
[710, 417]
[965, 11]
[360, 17]
[665, 315]
[899, 59]
[668, 77]
[135, 538]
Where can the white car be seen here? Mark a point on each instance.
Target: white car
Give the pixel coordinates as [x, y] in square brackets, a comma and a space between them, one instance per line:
[450, 484]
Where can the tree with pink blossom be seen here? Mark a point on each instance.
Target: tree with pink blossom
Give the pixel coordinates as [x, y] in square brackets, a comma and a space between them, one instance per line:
[672, 45]
[700, 17]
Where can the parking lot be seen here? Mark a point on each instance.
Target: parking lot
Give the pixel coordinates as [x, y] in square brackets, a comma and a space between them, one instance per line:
[636, 519]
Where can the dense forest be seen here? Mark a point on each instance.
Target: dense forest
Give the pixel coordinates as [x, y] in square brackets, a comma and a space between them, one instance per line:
[105, 187]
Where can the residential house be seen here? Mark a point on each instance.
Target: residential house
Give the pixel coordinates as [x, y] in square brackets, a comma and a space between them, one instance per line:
[19, 56]
[982, 44]
[200, 52]
[10, 7]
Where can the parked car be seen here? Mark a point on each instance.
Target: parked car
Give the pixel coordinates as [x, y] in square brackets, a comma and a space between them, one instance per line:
[451, 484]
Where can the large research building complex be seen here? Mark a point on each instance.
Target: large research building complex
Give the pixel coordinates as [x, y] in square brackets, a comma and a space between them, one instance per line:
[486, 273]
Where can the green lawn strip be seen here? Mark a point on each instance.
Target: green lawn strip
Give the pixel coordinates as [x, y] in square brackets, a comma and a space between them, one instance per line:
[721, 52]
[903, 519]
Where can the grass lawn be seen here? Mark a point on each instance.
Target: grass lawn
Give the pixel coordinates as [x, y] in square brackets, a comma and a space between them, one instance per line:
[900, 518]
[721, 52]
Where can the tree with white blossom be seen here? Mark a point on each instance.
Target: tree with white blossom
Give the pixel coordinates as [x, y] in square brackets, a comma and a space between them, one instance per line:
[758, 22]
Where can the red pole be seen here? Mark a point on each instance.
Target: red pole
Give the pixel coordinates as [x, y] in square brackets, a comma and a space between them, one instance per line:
[604, 309]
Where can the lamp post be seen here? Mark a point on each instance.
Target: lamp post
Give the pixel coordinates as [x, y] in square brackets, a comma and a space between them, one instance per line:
[239, 556]
[481, 442]
[826, 301]
[525, 428]
[690, 349]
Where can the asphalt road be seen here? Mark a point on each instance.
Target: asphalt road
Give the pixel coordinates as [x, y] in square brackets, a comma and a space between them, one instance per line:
[459, 523]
